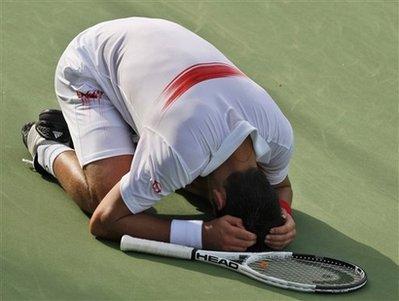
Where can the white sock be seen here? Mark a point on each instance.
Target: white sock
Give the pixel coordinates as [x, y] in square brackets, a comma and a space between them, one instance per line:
[46, 155]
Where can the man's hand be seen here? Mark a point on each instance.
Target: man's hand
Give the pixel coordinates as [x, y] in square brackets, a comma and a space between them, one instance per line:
[227, 233]
[280, 237]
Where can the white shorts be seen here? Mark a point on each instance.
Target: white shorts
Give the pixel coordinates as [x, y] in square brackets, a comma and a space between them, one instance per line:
[97, 129]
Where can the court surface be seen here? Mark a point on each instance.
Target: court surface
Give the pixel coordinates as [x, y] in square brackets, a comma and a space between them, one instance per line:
[332, 66]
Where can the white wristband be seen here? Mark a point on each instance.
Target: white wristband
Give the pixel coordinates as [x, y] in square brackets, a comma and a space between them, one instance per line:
[186, 233]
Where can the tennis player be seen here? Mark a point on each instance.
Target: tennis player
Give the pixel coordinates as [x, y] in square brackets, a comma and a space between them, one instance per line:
[151, 108]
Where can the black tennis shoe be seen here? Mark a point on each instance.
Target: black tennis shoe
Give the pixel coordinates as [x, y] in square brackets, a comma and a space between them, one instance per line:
[32, 140]
[24, 131]
[52, 126]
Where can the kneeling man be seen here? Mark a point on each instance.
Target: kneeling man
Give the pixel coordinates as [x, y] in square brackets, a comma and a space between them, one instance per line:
[150, 108]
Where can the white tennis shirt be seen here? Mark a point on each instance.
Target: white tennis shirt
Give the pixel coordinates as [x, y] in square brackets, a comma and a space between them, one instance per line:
[190, 105]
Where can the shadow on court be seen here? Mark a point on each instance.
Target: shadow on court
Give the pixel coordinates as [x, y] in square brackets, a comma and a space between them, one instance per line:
[314, 237]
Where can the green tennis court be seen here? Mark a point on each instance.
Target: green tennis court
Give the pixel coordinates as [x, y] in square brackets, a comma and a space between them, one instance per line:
[332, 66]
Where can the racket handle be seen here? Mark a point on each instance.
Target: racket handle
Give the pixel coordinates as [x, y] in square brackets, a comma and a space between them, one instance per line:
[129, 243]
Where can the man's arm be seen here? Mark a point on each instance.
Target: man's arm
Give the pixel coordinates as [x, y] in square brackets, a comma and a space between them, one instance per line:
[284, 190]
[280, 237]
[112, 219]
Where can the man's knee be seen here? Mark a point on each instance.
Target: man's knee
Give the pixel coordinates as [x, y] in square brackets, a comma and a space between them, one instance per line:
[90, 195]
[96, 195]
[98, 190]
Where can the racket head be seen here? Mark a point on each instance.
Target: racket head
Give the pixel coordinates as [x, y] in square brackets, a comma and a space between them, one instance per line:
[305, 272]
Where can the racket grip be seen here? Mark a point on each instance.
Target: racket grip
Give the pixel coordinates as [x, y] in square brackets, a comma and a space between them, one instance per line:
[129, 243]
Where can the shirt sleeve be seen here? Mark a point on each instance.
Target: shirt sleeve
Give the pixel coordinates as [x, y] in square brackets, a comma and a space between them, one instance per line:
[277, 168]
[156, 171]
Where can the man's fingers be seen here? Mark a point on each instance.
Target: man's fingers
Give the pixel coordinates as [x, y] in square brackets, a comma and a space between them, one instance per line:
[240, 224]
[278, 242]
[234, 221]
[232, 243]
[281, 230]
[280, 238]
[243, 234]
[287, 227]
[235, 237]
[276, 246]
[239, 243]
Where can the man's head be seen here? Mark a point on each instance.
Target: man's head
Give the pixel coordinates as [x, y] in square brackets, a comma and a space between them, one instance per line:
[249, 196]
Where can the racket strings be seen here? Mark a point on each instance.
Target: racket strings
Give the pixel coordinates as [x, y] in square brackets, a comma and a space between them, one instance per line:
[305, 271]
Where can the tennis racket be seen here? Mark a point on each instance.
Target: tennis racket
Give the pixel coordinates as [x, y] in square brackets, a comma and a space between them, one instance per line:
[300, 272]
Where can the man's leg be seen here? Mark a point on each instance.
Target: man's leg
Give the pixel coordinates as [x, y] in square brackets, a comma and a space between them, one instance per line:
[88, 186]
[103, 146]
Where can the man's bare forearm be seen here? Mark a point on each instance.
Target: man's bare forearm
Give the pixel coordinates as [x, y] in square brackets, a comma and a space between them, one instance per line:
[141, 225]
[284, 190]
[112, 219]
[285, 194]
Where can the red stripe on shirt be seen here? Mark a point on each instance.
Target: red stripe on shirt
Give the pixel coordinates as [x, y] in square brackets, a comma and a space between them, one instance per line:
[194, 75]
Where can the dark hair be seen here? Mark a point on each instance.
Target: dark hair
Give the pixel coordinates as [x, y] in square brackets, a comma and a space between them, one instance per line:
[250, 197]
